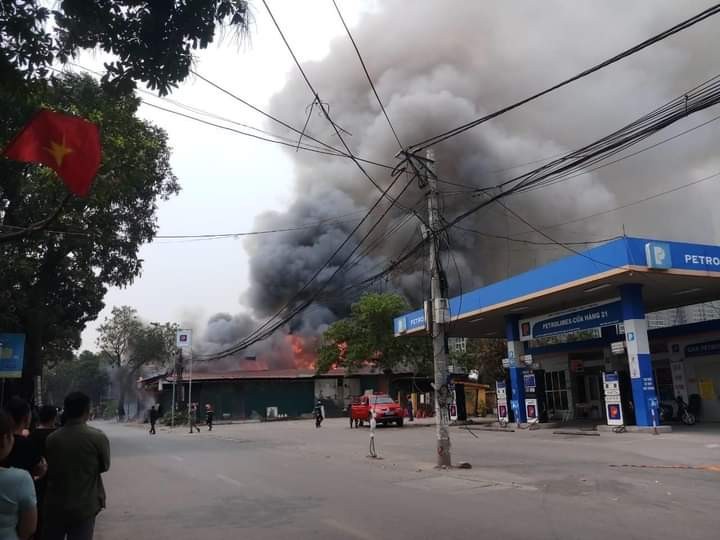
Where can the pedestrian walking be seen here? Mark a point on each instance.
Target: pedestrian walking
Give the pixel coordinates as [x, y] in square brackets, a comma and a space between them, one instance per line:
[318, 412]
[411, 417]
[18, 505]
[209, 415]
[192, 413]
[77, 456]
[153, 417]
[373, 425]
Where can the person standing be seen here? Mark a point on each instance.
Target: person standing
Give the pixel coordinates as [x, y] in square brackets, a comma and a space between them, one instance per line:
[24, 454]
[192, 417]
[318, 413]
[373, 425]
[18, 505]
[153, 416]
[77, 455]
[209, 415]
[47, 416]
[410, 408]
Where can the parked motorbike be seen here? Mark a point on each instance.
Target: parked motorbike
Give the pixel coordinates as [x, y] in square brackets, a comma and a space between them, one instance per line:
[683, 414]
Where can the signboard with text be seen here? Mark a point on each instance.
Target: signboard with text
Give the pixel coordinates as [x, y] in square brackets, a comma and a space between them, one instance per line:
[606, 313]
[12, 353]
[706, 348]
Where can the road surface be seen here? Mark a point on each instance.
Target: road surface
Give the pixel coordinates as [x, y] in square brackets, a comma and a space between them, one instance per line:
[289, 480]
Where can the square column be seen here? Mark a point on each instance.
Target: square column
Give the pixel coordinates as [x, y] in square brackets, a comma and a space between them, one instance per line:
[515, 351]
[638, 351]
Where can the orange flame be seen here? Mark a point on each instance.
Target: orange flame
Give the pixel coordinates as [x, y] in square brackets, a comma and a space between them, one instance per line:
[303, 351]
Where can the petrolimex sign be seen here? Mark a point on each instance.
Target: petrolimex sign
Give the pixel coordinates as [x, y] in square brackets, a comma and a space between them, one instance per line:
[407, 323]
[605, 313]
[664, 255]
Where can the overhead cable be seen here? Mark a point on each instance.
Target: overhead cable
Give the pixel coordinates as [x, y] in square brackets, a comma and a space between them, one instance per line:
[714, 10]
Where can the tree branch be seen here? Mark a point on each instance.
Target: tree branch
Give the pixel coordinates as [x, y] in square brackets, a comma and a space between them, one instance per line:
[37, 226]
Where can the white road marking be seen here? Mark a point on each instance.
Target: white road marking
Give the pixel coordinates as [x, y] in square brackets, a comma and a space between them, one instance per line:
[229, 480]
[348, 530]
[712, 446]
[177, 458]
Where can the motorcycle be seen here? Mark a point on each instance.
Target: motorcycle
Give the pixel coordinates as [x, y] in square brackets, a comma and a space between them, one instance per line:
[667, 412]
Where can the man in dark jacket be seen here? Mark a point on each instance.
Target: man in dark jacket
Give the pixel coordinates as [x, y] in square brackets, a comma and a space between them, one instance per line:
[153, 416]
[77, 455]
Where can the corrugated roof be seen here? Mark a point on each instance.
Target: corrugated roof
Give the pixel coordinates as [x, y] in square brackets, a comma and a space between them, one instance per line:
[266, 374]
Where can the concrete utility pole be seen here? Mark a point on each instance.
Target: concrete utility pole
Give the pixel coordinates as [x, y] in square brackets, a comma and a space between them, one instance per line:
[190, 393]
[439, 311]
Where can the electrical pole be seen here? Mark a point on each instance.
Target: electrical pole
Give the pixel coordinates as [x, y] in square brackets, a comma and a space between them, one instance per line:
[190, 422]
[439, 310]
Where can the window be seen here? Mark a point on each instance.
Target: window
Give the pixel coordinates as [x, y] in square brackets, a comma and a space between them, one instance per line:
[458, 344]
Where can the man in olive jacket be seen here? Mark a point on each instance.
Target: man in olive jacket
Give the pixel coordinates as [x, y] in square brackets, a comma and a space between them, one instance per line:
[77, 454]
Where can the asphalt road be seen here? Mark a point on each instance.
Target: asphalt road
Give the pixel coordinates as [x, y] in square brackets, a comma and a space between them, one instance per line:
[289, 480]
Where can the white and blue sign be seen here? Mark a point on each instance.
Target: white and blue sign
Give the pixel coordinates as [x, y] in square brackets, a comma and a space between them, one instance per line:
[410, 322]
[657, 255]
[706, 348]
[585, 317]
[663, 255]
[12, 353]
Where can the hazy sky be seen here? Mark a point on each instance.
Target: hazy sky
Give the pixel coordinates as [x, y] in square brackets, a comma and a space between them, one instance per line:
[226, 178]
[438, 63]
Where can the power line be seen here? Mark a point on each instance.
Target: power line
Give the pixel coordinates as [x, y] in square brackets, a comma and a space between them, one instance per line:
[367, 74]
[327, 115]
[659, 143]
[268, 327]
[628, 52]
[627, 205]
[699, 98]
[532, 242]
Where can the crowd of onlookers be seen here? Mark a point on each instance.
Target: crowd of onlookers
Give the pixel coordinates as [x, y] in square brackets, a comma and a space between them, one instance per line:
[50, 470]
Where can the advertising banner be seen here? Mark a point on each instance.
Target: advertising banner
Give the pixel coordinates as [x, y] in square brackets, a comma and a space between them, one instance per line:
[12, 353]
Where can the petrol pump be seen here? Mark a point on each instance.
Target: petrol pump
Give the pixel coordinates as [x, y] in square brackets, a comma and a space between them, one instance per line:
[613, 402]
[503, 411]
[535, 409]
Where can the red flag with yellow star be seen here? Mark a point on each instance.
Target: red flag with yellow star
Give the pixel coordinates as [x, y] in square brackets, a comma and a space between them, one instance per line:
[67, 144]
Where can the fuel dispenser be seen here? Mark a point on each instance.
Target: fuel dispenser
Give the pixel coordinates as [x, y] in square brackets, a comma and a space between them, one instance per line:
[503, 410]
[535, 408]
[613, 401]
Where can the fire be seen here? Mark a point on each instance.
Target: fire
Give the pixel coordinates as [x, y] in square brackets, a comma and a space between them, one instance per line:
[303, 349]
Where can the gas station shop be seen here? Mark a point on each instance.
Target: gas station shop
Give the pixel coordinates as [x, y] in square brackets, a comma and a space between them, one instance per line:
[589, 336]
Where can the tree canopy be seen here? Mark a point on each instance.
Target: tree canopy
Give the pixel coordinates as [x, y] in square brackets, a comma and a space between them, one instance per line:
[484, 355]
[86, 373]
[366, 336]
[149, 41]
[54, 281]
[129, 345]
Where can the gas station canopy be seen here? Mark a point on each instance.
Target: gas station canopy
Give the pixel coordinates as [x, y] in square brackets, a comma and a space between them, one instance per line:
[672, 274]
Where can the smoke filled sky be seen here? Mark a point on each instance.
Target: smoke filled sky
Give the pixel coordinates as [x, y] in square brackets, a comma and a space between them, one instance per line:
[436, 65]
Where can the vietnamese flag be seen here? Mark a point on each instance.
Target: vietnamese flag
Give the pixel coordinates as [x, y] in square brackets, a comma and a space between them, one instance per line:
[67, 144]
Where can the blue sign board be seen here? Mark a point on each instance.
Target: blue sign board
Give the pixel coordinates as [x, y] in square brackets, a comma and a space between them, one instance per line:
[12, 353]
[694, 257]
[703, 349]
[410, 322]
[595, 316]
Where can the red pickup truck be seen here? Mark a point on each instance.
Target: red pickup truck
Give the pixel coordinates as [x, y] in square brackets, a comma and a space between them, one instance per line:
[386, 410]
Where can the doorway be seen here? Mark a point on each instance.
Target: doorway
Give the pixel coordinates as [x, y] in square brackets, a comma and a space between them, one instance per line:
[589, 395]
